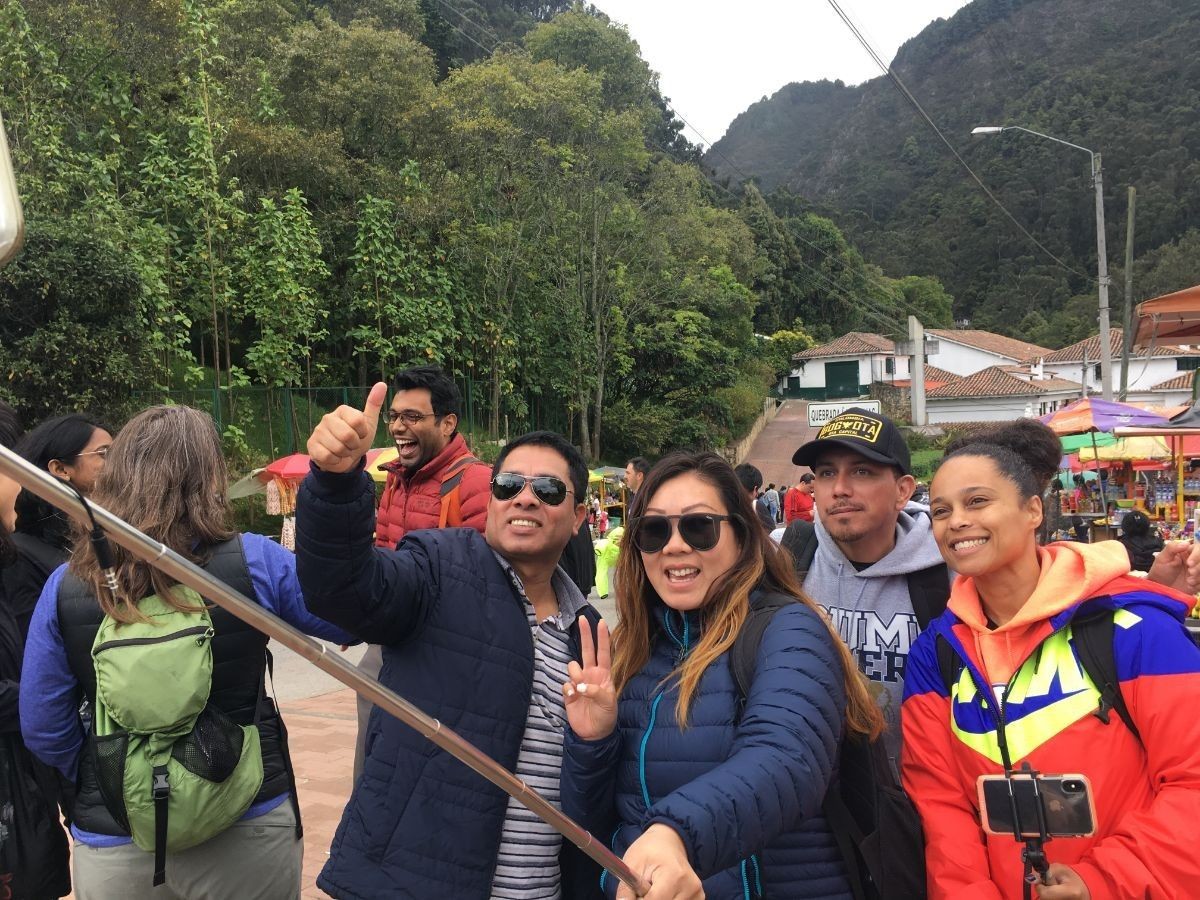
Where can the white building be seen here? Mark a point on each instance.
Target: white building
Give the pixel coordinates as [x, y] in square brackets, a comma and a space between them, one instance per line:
[1153, 371]
[998, 394]
[967, 351]
[848, 366]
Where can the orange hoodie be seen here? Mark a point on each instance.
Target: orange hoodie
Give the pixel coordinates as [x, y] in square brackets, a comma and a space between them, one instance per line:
[1069, 572]
[1146, 793]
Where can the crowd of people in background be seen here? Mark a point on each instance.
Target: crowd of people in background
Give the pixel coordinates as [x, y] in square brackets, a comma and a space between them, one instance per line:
[761, 632]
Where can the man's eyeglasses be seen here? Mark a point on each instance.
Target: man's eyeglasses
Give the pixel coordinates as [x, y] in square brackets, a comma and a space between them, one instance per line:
[409, 416]
[701, 531]
[550, 490]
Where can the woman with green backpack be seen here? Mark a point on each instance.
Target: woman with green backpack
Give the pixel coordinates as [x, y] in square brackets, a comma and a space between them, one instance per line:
[153, 703]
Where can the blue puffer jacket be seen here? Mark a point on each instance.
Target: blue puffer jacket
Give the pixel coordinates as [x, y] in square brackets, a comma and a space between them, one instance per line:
[746, 797]
[456, 643]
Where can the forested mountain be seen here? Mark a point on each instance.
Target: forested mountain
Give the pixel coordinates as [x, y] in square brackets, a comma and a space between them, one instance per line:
[1120, 78]
[297, 194]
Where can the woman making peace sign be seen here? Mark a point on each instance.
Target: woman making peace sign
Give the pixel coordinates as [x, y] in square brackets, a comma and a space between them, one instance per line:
[704, 794]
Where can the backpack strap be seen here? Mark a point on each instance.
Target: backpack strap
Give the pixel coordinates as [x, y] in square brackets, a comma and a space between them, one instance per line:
[929, 591]
[160, 790]
[846, 834]
[744, 652]
[1092, 636]
[948, 662]
[451, 513]
[283, 746]
[800, 540]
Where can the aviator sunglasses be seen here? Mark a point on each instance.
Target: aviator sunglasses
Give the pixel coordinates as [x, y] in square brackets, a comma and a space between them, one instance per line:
[550, 490]
[700, 530]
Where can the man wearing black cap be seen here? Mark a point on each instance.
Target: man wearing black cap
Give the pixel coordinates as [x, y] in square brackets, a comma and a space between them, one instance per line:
[870, 558]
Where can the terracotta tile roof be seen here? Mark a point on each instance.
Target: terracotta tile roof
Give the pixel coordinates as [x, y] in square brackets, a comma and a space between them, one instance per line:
[1074, 353]
[995, 382]
[934, 377]
[853, 343]
[1181, 382]
[993, 343]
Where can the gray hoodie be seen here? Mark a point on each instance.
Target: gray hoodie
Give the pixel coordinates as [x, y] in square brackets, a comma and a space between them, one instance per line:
[871, 609]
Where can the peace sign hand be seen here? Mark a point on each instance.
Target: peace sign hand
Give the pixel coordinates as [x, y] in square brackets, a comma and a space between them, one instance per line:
[343, 436]
[589, 696]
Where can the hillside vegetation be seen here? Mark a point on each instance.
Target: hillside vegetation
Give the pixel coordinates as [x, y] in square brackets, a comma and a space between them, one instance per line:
[1120, 78]
[300, 195]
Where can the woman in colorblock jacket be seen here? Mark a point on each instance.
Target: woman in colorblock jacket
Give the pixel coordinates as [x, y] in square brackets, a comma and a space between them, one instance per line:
[701, 791]
[1018, 693]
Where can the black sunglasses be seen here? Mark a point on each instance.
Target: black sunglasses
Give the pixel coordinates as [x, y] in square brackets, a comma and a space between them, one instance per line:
[700, 530]
[550, 490]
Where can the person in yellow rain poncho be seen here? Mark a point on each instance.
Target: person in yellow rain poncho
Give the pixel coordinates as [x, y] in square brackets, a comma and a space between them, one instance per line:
[608, 550]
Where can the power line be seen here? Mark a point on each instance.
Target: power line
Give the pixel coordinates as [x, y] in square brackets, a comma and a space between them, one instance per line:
[862, 304]
[487, 31]
[895, 79]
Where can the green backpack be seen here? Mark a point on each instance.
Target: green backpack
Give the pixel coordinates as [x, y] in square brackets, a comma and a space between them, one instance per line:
[173, 770]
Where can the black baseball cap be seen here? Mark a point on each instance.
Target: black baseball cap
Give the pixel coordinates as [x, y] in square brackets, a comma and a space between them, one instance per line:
[869, 434]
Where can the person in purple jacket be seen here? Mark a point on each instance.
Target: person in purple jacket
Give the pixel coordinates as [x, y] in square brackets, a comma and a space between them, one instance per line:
[166, 476]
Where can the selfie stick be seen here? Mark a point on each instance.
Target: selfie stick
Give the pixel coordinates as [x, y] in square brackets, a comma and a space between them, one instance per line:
[166, 560]
[1034, 854]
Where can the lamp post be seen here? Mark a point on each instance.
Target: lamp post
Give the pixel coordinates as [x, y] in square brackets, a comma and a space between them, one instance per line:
[1101, 247]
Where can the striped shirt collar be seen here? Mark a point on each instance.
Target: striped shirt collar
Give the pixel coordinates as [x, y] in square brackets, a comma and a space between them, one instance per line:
[570, 600]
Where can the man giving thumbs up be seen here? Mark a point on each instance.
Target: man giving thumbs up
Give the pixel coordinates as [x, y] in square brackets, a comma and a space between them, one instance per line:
[478, 631]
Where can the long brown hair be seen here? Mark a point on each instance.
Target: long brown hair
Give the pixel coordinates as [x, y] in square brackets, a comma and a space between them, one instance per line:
[164, 475]
[760, 564]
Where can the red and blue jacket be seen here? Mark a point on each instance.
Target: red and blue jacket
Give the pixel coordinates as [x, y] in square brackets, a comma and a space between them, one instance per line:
[1146, 793]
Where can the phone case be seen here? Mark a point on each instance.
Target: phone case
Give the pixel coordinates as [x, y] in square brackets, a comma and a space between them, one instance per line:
[1067, 813]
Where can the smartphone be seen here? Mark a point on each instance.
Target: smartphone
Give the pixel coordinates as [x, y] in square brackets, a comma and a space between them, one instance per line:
[1065, 802]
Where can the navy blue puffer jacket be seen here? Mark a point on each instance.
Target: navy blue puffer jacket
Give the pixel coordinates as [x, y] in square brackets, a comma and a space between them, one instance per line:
[745, 797]
[456, 643]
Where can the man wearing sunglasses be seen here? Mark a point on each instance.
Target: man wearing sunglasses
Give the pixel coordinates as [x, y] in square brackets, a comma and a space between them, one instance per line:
[477, 630]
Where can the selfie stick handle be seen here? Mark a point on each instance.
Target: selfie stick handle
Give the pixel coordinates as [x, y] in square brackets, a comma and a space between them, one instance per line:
[53, 491]
[1037, 867]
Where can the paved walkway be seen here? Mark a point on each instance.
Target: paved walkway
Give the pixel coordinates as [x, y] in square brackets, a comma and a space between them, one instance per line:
[321, 733]
[772, 450]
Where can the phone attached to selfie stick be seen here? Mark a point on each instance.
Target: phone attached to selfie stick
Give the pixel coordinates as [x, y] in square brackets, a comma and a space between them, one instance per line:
[103, 523]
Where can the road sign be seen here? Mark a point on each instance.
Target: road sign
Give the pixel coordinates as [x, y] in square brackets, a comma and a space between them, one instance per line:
[820, 413]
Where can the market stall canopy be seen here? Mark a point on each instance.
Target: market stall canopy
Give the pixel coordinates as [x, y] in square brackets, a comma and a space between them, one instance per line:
[1094, 414]
[1186, 423]
[1169, 319]
[247, 486]
[377, 457]
[289, 468]
[1072, 442]
[1128, 448]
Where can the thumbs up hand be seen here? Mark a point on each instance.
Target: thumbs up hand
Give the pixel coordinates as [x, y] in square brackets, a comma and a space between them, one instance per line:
[343, 436]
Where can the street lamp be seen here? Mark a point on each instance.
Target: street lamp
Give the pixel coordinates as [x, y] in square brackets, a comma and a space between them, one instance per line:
[1101, 246]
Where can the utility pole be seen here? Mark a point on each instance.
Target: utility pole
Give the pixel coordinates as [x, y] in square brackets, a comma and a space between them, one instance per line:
[916, 335]
[1127, 332]
[1084, 379]
[1101, 246]
[1102, 269]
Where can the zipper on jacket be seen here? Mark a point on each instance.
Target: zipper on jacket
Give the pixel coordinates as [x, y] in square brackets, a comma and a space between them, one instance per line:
[203, 630]
[642, 748]
[1001, 718]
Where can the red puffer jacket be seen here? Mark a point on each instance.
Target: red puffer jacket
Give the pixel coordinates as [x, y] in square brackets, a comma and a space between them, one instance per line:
[414, 501]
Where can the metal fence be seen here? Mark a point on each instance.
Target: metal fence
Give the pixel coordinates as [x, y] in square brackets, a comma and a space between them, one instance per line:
[274, 422]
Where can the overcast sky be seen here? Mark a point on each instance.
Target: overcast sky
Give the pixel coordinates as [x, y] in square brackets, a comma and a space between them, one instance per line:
[716, 57]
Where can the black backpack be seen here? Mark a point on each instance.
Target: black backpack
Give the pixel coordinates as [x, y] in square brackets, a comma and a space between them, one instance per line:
[875, 825]
[1092, 635]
